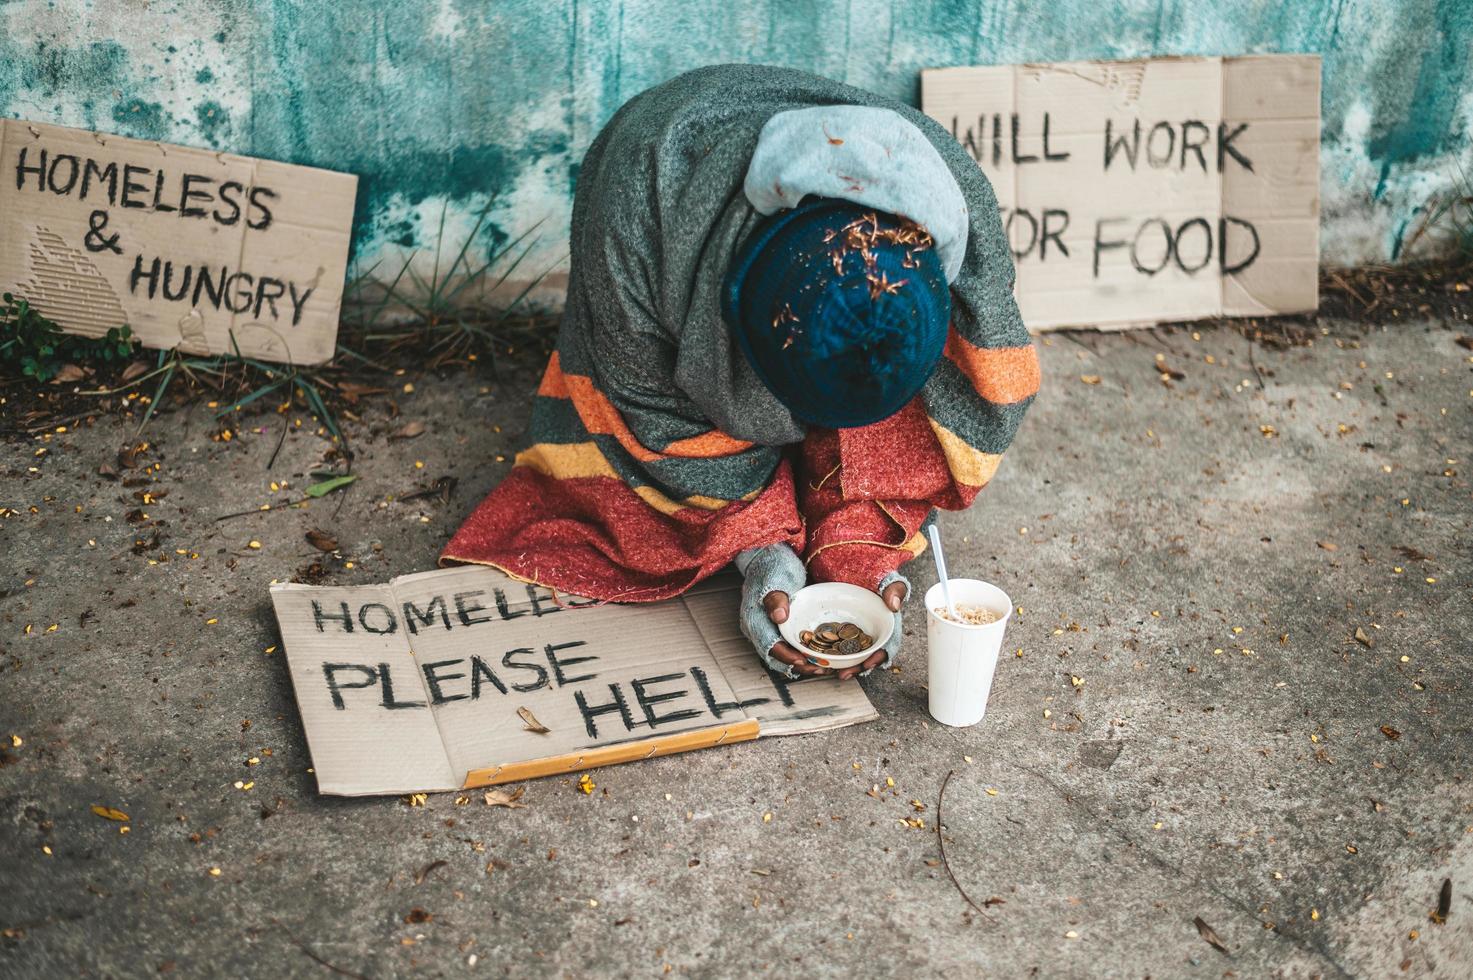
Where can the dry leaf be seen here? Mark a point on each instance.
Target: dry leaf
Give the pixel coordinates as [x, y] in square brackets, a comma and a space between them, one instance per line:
[417, 916]
[531, 722]
[1444, 902]
[110, 813]
[1412, 554]
[1207, 933]
[497, 796]
[1364, 638]
[68, 372]
[107, 470]
[443, 487]
[133, 370]
[409, 430]
[1390, 732]
[1328, 545]
[321, 540]
[1090, 379]
[352, 390]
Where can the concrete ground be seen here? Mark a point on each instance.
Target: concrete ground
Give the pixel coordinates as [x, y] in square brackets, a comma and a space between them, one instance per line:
[1190, 727]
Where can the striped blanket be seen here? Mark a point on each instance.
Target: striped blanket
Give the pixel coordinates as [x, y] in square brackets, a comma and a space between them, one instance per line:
[654, 453]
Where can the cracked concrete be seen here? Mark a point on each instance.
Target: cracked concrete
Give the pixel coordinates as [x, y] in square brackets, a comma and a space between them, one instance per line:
[1188, 728]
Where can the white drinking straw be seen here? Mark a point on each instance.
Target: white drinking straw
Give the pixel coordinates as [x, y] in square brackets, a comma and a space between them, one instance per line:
[941, 570]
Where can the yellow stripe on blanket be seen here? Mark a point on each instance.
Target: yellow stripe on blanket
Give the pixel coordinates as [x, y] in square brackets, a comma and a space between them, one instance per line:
[581, 460]
[566, 461]
[668, 505]
[968, 465]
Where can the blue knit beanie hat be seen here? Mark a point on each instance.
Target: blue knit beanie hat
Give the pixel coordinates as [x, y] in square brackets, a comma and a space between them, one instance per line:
[841, 310]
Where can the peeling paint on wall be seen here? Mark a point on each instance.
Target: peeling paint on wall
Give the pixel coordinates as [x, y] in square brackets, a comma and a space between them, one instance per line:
[456, 106]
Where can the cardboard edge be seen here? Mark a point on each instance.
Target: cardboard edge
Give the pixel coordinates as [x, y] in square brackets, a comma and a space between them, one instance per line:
[778, 732]
[353, 793]
[1109, 62]
[327, 787]
[209, 151]
[5, 125]
[1119, 326]
[701, 738]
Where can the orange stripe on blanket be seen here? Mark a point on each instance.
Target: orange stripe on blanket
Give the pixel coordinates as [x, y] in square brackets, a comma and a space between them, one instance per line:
[1002, 375]
[553, 385]
[707, 445]
[600, 417]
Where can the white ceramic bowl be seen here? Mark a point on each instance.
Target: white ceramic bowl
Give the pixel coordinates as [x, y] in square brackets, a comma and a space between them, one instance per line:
[837, 602]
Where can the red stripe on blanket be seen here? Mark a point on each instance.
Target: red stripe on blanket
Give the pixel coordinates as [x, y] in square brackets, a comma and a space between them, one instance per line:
[595, 537]
[868, 491]
[894, 459]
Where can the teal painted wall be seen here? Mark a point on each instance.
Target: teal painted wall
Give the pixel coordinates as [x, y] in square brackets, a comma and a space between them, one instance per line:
[453, 104]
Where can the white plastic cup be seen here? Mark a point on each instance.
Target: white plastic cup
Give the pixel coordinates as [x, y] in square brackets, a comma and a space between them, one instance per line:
[963, 657]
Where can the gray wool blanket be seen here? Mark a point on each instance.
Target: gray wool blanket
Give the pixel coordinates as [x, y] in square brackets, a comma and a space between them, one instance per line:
[660, 211]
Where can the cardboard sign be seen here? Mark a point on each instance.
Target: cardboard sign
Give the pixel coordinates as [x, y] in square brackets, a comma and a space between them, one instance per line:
[187, 247]
[1141, 191]
[436, 681]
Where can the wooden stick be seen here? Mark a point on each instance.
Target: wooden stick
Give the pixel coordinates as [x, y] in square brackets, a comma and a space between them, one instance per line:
[607, 755]
[941, 839]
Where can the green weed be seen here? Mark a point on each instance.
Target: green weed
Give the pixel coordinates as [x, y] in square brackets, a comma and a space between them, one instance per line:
[40, 350]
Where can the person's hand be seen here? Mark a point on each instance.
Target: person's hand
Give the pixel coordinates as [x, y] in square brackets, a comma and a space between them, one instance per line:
[775, 604]
[770, 575]
[894, 596]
